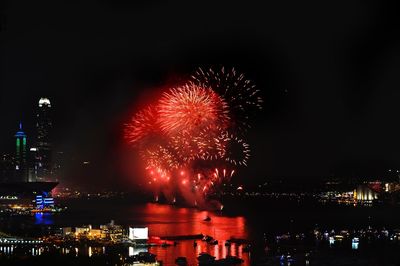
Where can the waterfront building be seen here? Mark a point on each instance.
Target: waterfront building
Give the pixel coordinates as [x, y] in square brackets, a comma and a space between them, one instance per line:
[108, 232]
[113, 232]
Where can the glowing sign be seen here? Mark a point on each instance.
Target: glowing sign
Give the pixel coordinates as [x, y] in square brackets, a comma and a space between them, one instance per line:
[42, 201]
[138, 233]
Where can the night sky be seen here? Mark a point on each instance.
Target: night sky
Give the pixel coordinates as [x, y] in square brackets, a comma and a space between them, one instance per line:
[329, 76]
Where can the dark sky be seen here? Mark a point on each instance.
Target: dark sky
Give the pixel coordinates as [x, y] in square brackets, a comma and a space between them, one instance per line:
[329, 75]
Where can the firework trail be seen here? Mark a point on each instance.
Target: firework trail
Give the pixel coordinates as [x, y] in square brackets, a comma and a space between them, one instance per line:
[189, 137]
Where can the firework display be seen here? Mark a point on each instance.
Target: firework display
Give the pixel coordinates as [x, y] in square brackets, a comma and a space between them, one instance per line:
[191, 139]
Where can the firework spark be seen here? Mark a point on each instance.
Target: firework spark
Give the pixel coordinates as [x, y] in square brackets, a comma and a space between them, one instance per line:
[240, 93]
[211, 147]
[238, 151]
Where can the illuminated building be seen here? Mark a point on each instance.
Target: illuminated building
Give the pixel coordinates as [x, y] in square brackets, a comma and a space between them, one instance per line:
[44, 201]
[112, 231]
[33, 159]
[108, 232]
[392, 187]
[138, 235]
[21, 170]
[43, 141]
[96, 233]
[82, 231]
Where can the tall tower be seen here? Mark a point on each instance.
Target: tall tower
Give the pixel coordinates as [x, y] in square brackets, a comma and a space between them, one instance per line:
[20, 156]
[43, 141]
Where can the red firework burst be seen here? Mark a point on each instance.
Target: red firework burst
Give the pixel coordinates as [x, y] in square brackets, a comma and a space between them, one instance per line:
[142, 125]
[190, 109]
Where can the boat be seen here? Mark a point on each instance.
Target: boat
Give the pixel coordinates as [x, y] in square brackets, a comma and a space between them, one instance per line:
[181, 261]
[207, 238]
[205, 259]
[213, 242]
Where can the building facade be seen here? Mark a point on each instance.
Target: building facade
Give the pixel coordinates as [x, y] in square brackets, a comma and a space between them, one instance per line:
[43, 145]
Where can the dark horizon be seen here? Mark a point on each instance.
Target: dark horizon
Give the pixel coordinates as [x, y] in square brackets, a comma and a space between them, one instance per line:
[327, 73]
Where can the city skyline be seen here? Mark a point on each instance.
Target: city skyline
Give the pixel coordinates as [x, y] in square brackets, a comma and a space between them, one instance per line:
[352, 171]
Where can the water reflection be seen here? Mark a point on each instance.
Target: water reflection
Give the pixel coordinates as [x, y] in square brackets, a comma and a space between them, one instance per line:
[8, 250]
[85, 251]
[166, 254]
[33, 251]
[186, 249]
[166, 220]
[44, 218]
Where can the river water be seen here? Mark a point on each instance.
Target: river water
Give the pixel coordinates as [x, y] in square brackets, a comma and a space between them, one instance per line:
[247, 220]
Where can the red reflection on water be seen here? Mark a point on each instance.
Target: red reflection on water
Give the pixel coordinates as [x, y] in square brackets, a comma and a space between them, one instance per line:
[166, 220]
[224, 252]
[186, 249]
[233, 249]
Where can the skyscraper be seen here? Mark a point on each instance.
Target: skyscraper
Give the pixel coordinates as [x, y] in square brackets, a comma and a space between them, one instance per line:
[33, 164]
[43, 140]
[21, 169]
